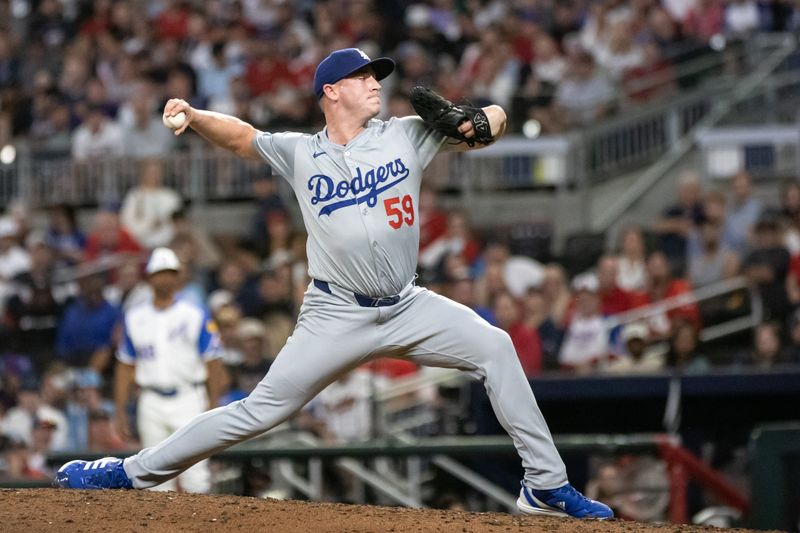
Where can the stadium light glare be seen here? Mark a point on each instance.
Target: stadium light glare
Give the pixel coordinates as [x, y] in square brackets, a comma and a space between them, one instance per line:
[717, 42]
[532, 128]
[8, 154]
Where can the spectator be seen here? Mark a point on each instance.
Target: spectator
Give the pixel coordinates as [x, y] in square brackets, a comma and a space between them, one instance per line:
[42, 438]
[252, 337]
[549, 64]
[108, 238]
[767, 351]
[279, 231]
[654, 78]
[620, 52]
[790, 214]
[53, 135]
[704, 20]
[767, 268]
[56, 380]
[14, 455]
[613, 299]
[462, 290]
[147, 209]
[584, 95]
[709, 260]
[586, 340]
[272, 294]
[744, 211]
[535, 316]
[14, 260]
[9, 64]
[84, 401]
[632, 271]
[793, 349]
[214, 80]
[227, 317]
[269, 207]
[128, 288]
[634, 486]
[556, 293]
[457, 239]
[525, 339]
[683, 356]
[231, 277]
[145, 136]
[492, 283]
[63, 235]
[345, 409]
[490, 69]
[97, 138]
[660, 286]
[637, 358]
[14, 368]
[87, 331]
[267, 71]
[206, 254]
[34, 310]
[741, 18]
[432, 220]
[19, 421]
[519, 272]
[677, 220]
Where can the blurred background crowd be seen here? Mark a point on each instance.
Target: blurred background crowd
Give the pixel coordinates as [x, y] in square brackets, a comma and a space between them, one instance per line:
[65, 288]
[86, 76]
[88, 80]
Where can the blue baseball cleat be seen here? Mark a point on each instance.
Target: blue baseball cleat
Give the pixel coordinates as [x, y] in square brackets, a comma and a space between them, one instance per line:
[563, 501]
[105, 473]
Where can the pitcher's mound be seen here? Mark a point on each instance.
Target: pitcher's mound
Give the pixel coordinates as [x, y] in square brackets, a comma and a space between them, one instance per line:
[56, 510]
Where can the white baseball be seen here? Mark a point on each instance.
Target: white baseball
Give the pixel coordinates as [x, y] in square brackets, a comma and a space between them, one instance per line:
[174, 122]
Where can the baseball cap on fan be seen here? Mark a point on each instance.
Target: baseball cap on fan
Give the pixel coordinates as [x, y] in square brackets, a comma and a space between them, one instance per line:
[162, 259]
[341, 63]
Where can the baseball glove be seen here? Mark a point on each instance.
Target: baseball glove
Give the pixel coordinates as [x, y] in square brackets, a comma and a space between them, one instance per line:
[445, 117]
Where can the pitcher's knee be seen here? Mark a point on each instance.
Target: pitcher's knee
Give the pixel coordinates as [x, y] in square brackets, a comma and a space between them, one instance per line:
[494, 342]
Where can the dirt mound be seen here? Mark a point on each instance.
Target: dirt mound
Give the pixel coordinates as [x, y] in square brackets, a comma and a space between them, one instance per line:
[30, 511]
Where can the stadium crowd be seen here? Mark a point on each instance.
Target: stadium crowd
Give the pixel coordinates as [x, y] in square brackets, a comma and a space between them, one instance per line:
[88, 79]
[83, 77]
[65, 288]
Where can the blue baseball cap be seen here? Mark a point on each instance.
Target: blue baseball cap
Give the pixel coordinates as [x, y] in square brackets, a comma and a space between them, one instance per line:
[342, 63]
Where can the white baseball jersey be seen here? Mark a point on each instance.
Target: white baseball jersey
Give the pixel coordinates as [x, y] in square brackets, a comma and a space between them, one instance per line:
[169, 347]
[363, 233]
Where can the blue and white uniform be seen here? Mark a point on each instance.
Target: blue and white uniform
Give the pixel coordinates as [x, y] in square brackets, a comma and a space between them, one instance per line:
[169, 349]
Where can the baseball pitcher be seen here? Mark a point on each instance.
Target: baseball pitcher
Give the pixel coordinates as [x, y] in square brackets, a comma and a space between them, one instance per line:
[358, 182]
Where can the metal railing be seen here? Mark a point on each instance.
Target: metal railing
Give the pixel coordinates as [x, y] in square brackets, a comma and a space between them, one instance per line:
[640, 136]
[198, 175]
[750, 308]
[777, 60]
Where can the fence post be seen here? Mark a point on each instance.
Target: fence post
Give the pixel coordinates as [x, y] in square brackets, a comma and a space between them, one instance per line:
[24, 187]
[198, 180]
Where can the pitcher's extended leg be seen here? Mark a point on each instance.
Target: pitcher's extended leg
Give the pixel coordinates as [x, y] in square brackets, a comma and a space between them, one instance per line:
[440, 332]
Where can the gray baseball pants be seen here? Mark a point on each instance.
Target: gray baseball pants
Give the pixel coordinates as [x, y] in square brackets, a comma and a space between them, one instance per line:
[333, 335]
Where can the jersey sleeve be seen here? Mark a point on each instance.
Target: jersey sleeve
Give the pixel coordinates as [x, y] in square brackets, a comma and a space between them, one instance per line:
[426, 141]
[278, 150]
[126, 352]
[208, 345]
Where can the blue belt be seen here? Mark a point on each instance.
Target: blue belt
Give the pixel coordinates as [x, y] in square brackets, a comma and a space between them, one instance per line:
[169, 392]
[363, 301]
